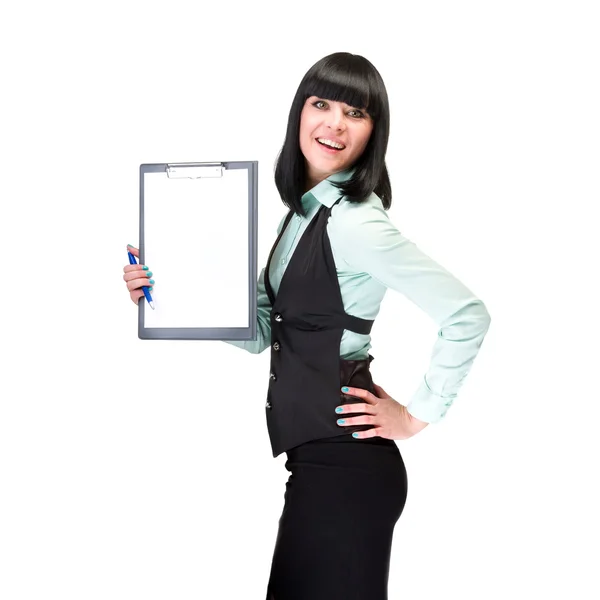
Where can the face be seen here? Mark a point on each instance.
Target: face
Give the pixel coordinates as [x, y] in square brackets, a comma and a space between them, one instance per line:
[338, 122]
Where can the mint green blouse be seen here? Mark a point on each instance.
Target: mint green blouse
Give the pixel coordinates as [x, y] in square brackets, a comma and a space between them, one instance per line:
[371, 255]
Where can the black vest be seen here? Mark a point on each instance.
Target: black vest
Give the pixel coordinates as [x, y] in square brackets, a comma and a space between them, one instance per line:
[307, 324]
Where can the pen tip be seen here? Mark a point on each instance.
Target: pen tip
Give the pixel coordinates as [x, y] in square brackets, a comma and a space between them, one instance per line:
[151, 305]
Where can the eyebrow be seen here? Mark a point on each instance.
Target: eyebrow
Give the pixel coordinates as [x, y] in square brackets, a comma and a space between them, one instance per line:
[346, 104]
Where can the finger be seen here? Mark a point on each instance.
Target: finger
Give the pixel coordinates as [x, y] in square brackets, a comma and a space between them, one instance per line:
[133, 250]
[135, 295]
[357, 407]
[129, 268]
[137, 274]
[363, 420]
[139, 283]
[364, 394]
[367, 433]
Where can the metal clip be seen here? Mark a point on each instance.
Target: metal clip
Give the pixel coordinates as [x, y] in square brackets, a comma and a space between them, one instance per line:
[194, 170]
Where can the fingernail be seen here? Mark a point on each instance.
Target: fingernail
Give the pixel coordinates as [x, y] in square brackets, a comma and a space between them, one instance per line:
[339, 409]
[341, 421]
[149, 274]
[144, 268]
[345, 389]
[152, 281]
[355, 435]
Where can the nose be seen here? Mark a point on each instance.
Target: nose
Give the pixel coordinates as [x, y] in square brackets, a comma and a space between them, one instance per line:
[335, 118]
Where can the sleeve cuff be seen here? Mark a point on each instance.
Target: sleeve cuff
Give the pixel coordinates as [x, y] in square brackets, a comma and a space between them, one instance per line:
[427, 406]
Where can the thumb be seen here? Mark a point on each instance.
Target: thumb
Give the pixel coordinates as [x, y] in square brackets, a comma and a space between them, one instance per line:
[133, 250]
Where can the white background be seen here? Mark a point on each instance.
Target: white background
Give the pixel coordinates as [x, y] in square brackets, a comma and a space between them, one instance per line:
[137, 469]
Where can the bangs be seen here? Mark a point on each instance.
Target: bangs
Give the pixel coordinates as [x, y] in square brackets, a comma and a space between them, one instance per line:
[352, 87]
[353, 80]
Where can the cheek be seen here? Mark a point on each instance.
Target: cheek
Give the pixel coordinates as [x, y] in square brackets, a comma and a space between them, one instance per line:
[366, 137]
[304, 137]
[363, 141]
[304, 130]
[307, 125]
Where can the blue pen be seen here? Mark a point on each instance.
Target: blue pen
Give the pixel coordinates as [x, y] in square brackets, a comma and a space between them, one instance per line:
[145, 287]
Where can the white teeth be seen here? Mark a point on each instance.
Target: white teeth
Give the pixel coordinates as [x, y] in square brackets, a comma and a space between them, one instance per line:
[330, 143]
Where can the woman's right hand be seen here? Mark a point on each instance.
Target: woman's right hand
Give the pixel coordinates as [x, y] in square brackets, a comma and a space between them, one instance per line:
[136, 276]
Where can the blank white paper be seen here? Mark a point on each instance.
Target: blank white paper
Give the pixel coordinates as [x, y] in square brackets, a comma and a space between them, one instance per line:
[197, 247]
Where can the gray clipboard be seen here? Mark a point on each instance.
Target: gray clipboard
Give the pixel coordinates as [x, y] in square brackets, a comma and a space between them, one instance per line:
[198, 230]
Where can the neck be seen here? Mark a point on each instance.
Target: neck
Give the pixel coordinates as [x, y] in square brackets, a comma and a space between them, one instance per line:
[312, 180]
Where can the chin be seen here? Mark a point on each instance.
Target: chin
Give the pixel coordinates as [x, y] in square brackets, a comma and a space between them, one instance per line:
[328, 162]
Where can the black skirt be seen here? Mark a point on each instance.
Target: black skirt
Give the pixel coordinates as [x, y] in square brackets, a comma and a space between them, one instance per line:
[342, 500]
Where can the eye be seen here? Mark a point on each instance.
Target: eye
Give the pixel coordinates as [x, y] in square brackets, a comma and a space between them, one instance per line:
[360, 114]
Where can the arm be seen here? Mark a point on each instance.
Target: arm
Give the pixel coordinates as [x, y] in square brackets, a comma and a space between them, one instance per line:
[263, 325]
[263, 315]
[369, 242]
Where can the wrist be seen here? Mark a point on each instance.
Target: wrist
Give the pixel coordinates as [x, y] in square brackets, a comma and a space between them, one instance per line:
[416, 424]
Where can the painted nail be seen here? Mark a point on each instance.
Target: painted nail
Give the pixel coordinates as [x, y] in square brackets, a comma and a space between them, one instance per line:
[345, 389]
[144, 268]
[341, 421]
[152, 281]
[355, 435]
[339, 409]
[149, 274]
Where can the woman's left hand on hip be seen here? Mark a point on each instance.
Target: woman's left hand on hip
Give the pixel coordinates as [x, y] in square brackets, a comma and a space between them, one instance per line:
[389, 418]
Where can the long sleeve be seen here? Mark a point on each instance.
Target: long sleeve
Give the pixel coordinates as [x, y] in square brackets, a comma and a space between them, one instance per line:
[263, 315]
[263, 324]
[367, 241]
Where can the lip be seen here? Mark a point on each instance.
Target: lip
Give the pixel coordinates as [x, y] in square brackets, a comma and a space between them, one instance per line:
[333, 139]
[328, 150]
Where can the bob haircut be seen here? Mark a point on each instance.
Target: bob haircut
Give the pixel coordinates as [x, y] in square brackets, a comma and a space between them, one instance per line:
[349, 78]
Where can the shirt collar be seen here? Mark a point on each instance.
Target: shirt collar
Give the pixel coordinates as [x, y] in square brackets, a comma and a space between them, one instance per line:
[324, 192]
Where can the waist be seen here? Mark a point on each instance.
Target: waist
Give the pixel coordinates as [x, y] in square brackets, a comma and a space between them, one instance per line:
[355, 346]
[356, 373]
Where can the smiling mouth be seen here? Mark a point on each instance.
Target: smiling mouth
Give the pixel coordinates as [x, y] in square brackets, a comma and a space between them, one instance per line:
[328, 147]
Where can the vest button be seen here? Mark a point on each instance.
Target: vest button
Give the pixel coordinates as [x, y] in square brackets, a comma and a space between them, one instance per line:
[278, 317]
[276, 346]
[273, 376]
[268, 404]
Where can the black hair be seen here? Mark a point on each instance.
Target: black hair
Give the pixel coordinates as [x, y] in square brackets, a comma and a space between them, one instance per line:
[349, 78]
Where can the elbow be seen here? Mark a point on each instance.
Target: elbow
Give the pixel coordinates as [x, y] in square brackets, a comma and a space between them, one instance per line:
[472, 321]
[485, 316]
[483, 322]
[478, 313]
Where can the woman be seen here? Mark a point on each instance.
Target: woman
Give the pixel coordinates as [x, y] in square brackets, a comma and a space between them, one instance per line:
[335, 255]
